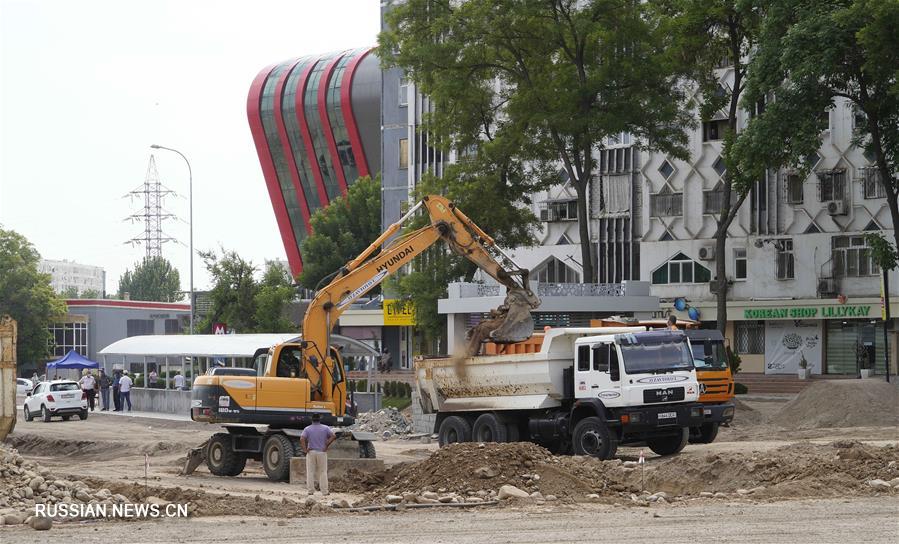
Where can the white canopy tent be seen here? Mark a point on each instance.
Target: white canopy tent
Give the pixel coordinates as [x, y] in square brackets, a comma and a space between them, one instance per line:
[193, 354]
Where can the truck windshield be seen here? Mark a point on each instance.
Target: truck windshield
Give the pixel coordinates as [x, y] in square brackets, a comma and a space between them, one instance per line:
[655, 352]
[709, 354]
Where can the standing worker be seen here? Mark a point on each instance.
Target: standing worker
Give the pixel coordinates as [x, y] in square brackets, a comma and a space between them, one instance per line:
[179, 381]
[105, 383]
[672, 323]
[315, 441]
[116, 395]
[88, 382]
[125, 390]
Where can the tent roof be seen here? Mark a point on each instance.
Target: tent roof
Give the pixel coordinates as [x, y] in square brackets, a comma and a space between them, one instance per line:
[218, 345]
[72, 360]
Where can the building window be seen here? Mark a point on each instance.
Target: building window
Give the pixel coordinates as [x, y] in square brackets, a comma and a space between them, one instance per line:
[138, 327]
[562, 210]
[555, 271]
[794, 189]
[681, 269]
[852, 257]
[824, 120]
[714, 130]
[740, 263]
[750, 337]
[404, 92]
[65, 337]
[404, 153]
[831, 185]
[785, 263]
[172, 326]
[873, 187]
[666, 203]
[713, 201]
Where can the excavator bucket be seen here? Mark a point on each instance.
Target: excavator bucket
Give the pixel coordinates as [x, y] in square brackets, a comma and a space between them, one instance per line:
[195, 457]
[517, 325]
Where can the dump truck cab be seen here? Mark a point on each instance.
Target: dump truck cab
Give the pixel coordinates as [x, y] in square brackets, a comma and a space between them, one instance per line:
[716, 381]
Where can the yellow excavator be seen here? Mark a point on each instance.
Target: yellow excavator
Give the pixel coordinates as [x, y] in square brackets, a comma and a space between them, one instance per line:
[306, 377]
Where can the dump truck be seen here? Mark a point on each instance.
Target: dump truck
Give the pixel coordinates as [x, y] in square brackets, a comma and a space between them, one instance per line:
[716, 382]
[586, 391]
[263, 416]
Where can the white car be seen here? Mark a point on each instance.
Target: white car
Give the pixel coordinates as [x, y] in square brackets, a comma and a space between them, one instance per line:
[23, 386]
[62, 398]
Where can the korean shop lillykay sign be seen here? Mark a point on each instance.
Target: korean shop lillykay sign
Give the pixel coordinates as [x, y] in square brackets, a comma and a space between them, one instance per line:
[808, 312]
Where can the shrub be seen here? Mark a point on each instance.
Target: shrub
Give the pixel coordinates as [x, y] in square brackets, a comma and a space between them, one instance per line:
[733, 361]
[740, 389]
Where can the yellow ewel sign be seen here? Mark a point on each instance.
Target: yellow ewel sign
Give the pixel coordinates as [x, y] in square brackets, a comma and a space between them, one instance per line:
[399, 312]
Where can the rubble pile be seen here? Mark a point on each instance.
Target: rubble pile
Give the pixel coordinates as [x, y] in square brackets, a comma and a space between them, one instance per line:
[385, 423]
[471, 472]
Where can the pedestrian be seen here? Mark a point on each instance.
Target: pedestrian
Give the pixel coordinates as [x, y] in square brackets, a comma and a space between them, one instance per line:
[105, 383]
[315, 441]
[672, 323]
[34, 378]
[88, 383]
[125, 390]
[179, 381]
[153, 377]
[385, 361]
[116, 393]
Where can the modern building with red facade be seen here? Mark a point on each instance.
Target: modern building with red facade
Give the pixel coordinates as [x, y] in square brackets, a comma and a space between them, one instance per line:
[316, 122]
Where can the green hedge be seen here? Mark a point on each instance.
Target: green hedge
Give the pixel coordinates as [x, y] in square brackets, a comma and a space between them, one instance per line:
[740, 389]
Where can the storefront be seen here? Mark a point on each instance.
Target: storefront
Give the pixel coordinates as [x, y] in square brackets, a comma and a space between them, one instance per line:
[774, 336]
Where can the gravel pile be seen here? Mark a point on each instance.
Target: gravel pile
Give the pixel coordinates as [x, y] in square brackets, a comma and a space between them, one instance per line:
[386, 423]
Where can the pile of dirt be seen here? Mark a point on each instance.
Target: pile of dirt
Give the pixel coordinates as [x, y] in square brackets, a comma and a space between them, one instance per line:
[97, 450]
[842, 403]
[745, 415]
[799, 470]
[386, 423]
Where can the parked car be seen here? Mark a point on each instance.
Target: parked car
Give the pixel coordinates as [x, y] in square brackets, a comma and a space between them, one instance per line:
[23, 386]
[62, 398]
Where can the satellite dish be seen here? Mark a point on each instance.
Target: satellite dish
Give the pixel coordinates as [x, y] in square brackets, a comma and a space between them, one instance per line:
[680, 304]
[693, 313]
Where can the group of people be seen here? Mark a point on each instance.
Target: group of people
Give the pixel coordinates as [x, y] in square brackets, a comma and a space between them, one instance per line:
[93, 385]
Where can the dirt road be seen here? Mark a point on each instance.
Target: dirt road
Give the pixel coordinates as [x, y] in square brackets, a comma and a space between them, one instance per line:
[871, 520]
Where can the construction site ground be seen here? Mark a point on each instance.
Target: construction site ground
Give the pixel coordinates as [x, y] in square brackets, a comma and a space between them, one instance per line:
[815, 486]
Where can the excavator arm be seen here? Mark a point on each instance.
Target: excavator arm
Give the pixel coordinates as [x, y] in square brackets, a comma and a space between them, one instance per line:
[509, 323]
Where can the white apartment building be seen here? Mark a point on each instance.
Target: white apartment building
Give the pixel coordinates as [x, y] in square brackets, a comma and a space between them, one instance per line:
[66, 275]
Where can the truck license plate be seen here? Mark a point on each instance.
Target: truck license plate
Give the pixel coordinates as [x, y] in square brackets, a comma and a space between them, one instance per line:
[667, 415]
[707, 411]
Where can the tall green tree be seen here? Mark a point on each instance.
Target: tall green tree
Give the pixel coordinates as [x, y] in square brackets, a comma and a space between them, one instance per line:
[153, 279]
[557, 76]
[26, 295]
[809, 53]
[233, 293]
[73, 292]
[273, 298]
[341, 230]
[706, 35]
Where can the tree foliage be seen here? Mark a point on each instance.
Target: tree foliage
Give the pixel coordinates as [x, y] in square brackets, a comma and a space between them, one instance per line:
[153, 279]
[73, 292]
[809, 54]
[703, 34]
[554, 78]
[243, 303]
[341, 231]
[26, 295]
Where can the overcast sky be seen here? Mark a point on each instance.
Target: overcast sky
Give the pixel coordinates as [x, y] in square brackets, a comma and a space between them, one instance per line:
[86, 86]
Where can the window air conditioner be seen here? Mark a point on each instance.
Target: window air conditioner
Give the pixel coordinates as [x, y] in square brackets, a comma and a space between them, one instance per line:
[836, 207]
[707, 253]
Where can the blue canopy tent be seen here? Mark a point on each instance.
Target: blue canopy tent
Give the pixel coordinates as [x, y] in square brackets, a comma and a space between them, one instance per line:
[72, 360]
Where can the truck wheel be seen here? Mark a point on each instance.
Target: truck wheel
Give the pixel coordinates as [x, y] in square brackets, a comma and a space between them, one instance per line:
[512, 432]
[366, 450]
[221, 459]
[454, 429]
[706, 434]
[489, 428]
[669, 445]
[592, 437]
[276, 454]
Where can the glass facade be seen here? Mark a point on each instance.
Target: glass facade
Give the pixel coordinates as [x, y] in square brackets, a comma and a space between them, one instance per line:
[338, 126]
[316, 130]
[295, 134]
[65, 337]
[267, 112]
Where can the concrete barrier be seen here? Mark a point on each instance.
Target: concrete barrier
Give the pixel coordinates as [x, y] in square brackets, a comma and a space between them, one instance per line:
[421, 422]
[166, 401]
[336, 467]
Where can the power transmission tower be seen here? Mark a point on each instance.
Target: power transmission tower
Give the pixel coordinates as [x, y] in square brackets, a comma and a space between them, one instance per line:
[152, 215]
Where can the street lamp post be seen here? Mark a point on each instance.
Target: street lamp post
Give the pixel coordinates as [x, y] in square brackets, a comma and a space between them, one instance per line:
[191, 221]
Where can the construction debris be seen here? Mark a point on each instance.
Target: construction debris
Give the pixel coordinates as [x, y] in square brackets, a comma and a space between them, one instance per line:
[386, 423]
